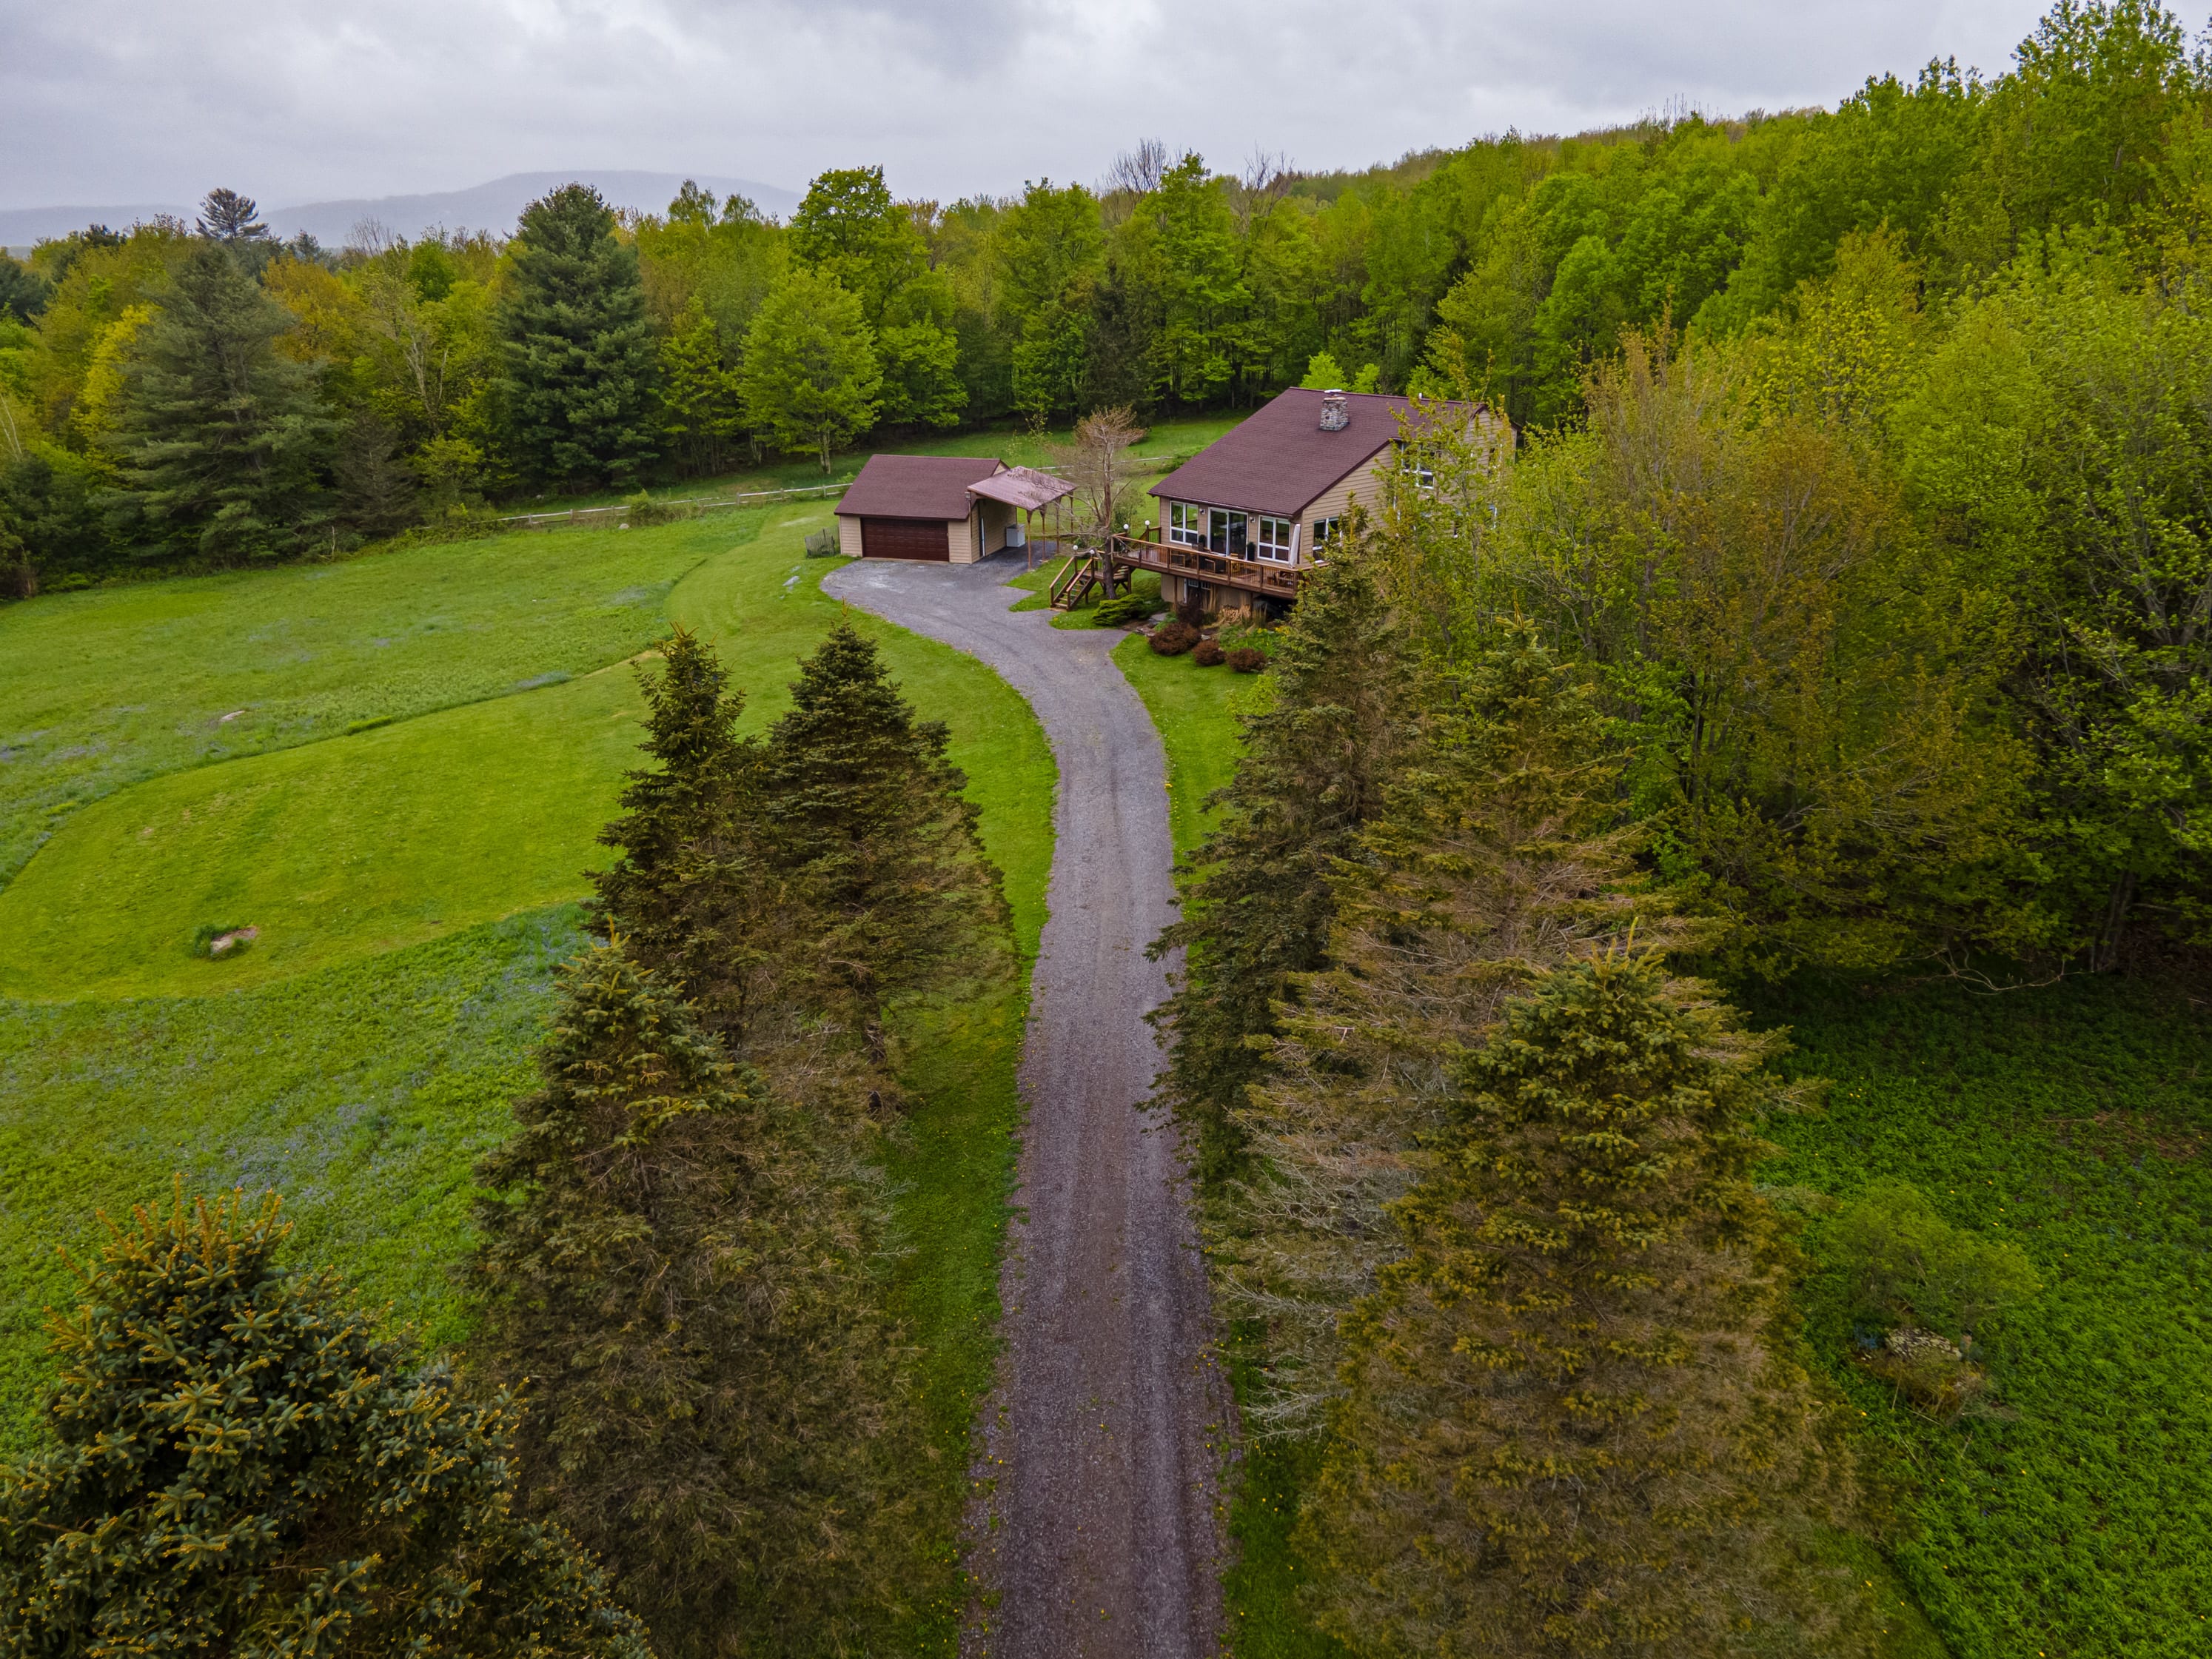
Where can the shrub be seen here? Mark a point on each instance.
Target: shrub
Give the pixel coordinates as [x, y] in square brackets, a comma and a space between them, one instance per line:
[1902, 1261]
[1248, 659]
[1127, 608]
[1927, 1370]
[246, 1466]
[640, 509]
[1173, 639]
[1206, 653]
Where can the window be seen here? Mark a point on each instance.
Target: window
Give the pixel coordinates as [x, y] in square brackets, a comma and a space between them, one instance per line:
[1186, 524]
[1425, 475]
[1226, 532]
[1325, 532]
[1272, 538]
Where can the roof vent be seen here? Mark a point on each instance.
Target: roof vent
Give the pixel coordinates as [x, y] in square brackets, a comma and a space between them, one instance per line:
[1335, 416]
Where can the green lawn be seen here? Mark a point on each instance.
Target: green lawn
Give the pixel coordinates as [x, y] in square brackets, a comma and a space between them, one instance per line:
[415, 883]
[1195, 709]
[107, 688]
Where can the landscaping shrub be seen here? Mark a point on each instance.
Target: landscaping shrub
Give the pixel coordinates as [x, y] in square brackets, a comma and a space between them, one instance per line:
[1206, 653]
[1173, 639]
[246, 1466]
[1130, 608]
[1247, 659]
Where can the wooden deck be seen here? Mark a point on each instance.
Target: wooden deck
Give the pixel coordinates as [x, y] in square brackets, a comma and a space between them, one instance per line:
[1217, 570]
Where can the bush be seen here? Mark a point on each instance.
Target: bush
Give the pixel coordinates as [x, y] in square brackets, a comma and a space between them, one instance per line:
[1130, 608]
[1248, 659]
[1173, 639]
[1902, 1261]
[640, 509]
[1207, 654]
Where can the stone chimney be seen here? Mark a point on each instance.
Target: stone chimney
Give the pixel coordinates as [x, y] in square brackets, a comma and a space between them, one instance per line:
[1335, 414]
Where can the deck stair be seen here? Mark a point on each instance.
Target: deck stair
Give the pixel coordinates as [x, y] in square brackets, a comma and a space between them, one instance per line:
[1083, 571]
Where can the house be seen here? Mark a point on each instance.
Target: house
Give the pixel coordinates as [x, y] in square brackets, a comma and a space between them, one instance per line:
[1241, 518]
[955, 508]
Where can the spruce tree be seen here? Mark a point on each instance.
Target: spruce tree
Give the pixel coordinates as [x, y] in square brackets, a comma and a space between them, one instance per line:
[1313, 771]
[679, 1267]
[577, 362]
[223, 440]
[1575, 1420]
[691, 889]
[1492, 861]
[867, 821]
[246, 1466]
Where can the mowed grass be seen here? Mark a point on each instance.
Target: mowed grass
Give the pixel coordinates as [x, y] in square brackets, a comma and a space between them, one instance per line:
[416, 876]
[104, 688]
[1196, 710]
[391, 836]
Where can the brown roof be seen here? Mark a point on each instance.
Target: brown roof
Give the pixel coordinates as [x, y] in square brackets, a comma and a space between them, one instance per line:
[1278, 458]
[1023, 487]
[916, 486]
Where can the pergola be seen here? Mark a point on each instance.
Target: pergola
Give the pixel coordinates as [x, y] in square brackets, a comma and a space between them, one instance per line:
[1032, 494]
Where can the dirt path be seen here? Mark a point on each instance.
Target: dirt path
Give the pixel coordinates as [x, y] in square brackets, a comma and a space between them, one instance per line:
[1100, 1538]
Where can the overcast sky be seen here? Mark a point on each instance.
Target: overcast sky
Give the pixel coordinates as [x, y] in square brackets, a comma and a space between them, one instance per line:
[293, 100]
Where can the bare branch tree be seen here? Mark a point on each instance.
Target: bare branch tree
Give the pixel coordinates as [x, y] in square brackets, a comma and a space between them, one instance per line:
[1096, 465]
[1138, 171]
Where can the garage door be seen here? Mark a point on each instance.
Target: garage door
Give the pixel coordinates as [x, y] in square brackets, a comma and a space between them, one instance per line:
[905, 538]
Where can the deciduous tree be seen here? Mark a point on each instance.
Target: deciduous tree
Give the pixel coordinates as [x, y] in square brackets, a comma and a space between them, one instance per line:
[811, 379]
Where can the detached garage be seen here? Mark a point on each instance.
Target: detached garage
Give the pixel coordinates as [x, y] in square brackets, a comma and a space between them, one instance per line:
[919, 507]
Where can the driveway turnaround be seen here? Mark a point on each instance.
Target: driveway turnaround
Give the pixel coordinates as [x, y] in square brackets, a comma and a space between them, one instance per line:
[1098, 1533]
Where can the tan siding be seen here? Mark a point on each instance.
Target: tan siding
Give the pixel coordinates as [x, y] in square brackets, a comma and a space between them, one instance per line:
[960, 539]
[1359, 484]
[848, 538]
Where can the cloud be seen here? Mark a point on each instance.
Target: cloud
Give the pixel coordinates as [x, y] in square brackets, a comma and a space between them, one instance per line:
[130, 100]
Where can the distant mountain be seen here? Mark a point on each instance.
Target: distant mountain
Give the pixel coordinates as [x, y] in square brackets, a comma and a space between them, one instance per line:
[493, 207]
[21, 227]
[496, 206]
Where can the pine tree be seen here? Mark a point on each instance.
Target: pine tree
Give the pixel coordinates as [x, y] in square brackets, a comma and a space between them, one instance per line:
[867, 821]
[577, 352]
[1575, 1422]
[1313, 771]
[1491, 863]
[246, 1466]
[222, 439]
[680, 1267]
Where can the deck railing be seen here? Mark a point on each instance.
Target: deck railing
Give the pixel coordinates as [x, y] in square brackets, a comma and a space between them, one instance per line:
[1173, 558]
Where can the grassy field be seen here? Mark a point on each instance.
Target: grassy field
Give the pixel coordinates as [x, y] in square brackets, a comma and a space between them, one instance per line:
[416, 884]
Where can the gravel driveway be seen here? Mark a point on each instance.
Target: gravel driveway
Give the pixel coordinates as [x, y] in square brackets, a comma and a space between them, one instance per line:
[1103, 1438]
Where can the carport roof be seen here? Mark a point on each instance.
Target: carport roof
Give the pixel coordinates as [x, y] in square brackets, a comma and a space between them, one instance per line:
[916, 486]
[1023, 487]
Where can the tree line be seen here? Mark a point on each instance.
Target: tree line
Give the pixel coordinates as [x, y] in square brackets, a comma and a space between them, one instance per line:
[384, 384]
[689, 1421]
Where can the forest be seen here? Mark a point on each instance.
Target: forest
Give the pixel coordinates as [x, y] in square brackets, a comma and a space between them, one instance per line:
[391, 382]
